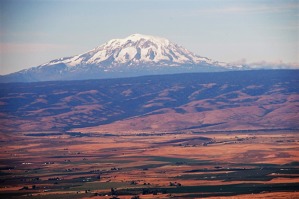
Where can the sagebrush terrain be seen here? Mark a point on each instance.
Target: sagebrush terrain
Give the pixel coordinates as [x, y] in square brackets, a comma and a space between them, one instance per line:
[207, 101]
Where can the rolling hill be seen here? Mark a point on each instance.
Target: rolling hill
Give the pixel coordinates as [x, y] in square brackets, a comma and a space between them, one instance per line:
[240, 100]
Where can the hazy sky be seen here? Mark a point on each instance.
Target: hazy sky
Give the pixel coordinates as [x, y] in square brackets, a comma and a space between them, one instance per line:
[33, 32]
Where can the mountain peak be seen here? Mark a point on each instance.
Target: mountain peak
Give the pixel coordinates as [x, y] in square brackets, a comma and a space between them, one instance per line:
[137, 36]
[135, 55]
[139, 49]
[140, 38]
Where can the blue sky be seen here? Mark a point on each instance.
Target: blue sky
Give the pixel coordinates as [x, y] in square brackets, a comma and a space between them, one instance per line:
[33, 32]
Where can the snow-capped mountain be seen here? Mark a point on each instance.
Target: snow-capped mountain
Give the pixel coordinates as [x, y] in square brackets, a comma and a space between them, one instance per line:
[135, 50]
[132, 56]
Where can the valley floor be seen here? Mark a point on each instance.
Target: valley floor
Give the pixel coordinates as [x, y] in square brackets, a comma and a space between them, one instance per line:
[185, 164]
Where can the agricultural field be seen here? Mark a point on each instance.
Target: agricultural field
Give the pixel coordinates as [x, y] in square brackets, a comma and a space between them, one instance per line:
[182, 164]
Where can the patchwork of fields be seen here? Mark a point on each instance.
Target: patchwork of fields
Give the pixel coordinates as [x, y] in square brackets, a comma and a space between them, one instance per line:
[156, 165]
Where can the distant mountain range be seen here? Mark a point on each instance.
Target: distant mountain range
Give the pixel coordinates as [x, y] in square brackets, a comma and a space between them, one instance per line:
[135, 55]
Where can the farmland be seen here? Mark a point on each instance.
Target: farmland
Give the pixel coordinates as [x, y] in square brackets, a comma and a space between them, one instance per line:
[161, 165]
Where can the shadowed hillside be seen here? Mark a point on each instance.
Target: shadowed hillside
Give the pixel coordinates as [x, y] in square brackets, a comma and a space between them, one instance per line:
[206, 101]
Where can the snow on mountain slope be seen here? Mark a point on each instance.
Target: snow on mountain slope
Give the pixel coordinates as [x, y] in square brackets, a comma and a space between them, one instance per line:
[135, 50]
[134, 55]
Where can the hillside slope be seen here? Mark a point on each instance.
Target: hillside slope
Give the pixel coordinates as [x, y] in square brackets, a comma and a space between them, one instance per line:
[201, 101]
